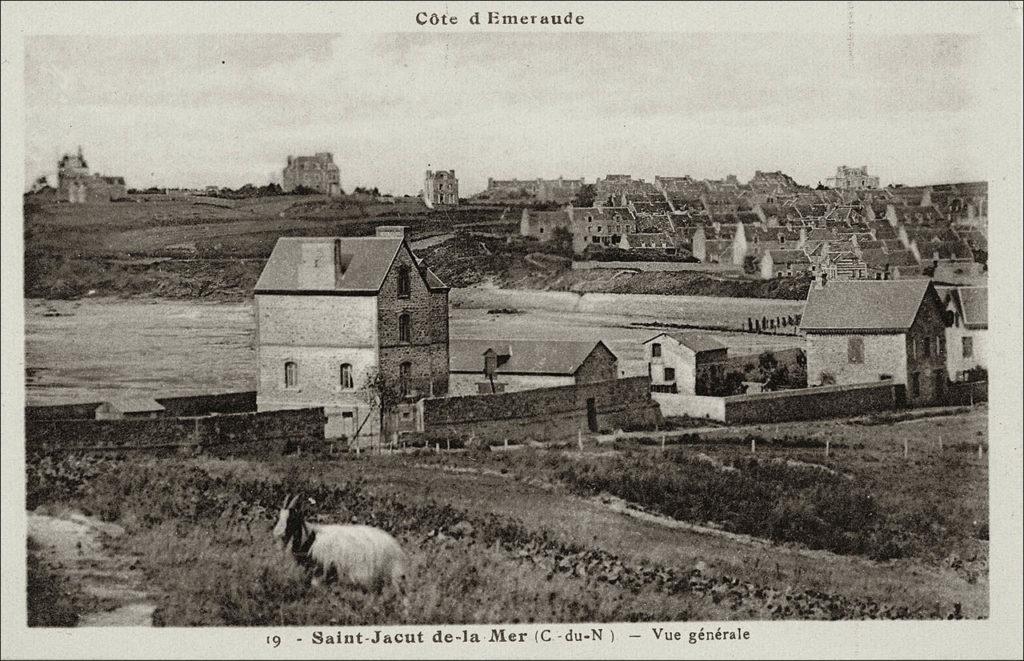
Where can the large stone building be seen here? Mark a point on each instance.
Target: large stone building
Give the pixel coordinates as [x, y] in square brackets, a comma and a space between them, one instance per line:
[864, 331]
[331, 313]
[317, 172]
[850, 178]
[77, 185]
[489, 366]
[440, 188]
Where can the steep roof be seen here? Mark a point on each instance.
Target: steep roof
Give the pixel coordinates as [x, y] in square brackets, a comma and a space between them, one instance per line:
[524, 356]
[306, 264]
[695, 342]
[789, 257]
[974, 306]
[863, 305]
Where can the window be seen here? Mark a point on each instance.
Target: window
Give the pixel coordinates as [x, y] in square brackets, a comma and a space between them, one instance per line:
[670, 374]
[542, 230]
[404, 328]
[404, 286]
[855, 350]
[655, 350]
[913, 347]
[404, 377]
[346, 376]
[915, 384]
[968, 347]
[291, 375]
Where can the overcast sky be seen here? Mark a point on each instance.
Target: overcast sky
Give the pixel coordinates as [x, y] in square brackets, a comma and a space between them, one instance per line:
[227, 110]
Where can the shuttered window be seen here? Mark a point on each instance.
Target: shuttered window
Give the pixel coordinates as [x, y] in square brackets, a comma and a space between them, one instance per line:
[855, 350]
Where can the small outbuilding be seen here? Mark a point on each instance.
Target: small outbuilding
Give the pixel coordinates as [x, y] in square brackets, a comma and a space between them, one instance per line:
[129, 407]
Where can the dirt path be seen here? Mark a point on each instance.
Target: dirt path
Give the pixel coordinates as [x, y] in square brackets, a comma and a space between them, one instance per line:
[73, 544]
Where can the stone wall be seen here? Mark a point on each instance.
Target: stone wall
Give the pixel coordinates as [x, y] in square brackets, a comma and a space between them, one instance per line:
[657, 266]
[262, 433]
[813, 403]
[547, 414]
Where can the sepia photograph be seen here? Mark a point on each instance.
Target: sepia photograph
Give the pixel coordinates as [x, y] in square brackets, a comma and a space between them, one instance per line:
[508, 324]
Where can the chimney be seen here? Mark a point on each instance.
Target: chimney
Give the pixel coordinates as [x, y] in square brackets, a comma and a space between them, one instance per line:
[820, 280]
[391, 231]
[341, 262]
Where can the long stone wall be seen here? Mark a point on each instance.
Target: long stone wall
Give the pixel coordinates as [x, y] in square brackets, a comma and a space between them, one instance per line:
[268, 433]
[191, 405]
[544, 414]
[656, 266]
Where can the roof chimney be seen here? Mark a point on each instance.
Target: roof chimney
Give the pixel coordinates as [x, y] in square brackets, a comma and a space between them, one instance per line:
[391, 231]
[341, 262]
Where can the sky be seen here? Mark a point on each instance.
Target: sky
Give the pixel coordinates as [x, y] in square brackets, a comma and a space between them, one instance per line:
[196, 110]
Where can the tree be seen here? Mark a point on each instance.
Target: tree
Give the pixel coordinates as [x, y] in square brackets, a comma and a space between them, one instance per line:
[585, 196]
[561, 237]
[383, 395]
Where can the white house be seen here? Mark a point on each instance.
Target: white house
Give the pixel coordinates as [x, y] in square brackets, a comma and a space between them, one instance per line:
[967, 332]
[685, 363]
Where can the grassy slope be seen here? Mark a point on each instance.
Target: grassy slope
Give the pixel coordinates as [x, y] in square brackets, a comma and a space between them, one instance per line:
[538, 538]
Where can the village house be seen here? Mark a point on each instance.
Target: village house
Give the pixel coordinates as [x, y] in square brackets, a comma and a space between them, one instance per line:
[331, 313]
[541, 225]
[317, 173]
[966, 334]
[852, 178]
[493, 366]
[779, 263]
[76, 184]
[686, 363]
[599, 226]
[130, 407]
[440, 188]
[864, 331]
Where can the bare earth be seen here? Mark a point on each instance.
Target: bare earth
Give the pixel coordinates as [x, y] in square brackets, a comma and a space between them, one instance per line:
[73, 545]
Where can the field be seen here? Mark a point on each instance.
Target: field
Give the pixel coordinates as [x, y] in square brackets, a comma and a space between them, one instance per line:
[93, 349]
[695, 532]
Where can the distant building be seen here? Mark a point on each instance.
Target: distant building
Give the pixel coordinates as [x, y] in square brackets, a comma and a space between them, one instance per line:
[779, 263]
[850, 178]
[440, 188]
[317, 172]
[332, 312]
[686, 363]
[129, 407]
[559, 190]
[77, 185]
[486, 366]
[864, 331]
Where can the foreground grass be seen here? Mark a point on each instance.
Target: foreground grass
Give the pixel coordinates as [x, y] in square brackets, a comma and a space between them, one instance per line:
[202, 529]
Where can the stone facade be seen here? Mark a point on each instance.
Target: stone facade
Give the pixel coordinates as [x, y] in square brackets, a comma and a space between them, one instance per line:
[321, 347]
[440, 188]
[674, 367]
[317, 172]
[848, 178]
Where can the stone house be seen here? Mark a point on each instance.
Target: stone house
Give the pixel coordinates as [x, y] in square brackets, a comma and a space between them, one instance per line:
[778, 263]
[686, 363]
[440, 188]
[76, 184]
[967, 330]
[863, 331]
[541, 225]
[317, 172]
[130, 407]
[333, 312]
[515, 365]
[599, 226]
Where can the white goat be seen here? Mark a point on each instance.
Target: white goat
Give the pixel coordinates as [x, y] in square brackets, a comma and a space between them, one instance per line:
[363, 556]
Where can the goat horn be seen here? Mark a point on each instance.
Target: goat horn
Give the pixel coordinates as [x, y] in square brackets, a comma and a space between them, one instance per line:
[292, 503]
[284, 505]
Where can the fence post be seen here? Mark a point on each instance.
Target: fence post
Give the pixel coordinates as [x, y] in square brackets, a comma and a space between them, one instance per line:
[979, 452]
[448, 444]
[662, 441]
[579, 440]
[906, 449]
[826, 446]
[437, 448]
[753, 445]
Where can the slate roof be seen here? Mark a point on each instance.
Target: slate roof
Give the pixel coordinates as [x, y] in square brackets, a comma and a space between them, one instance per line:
[974, 303]
[525, 356]
[789, 257]
[368, 259]
[695, 342]
[135, 405]
[863, 305]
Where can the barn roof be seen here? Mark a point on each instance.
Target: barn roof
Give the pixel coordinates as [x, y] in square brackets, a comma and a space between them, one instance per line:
[522, 356]
[863, 305]
[135, 405]
[695, 342]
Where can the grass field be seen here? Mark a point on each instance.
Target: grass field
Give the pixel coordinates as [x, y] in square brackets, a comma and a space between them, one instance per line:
[529, 535]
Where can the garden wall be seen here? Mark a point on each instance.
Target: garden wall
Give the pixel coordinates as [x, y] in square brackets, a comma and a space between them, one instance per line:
[266, 433]
[656, 266]
[544, 414]
[693, 406]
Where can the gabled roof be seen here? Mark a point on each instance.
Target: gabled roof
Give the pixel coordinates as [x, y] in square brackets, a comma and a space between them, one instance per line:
[695, 342]
[366, 259]
[789, 257]
[135, 405]
[863, 305]
[973, 303]
[524, 356]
